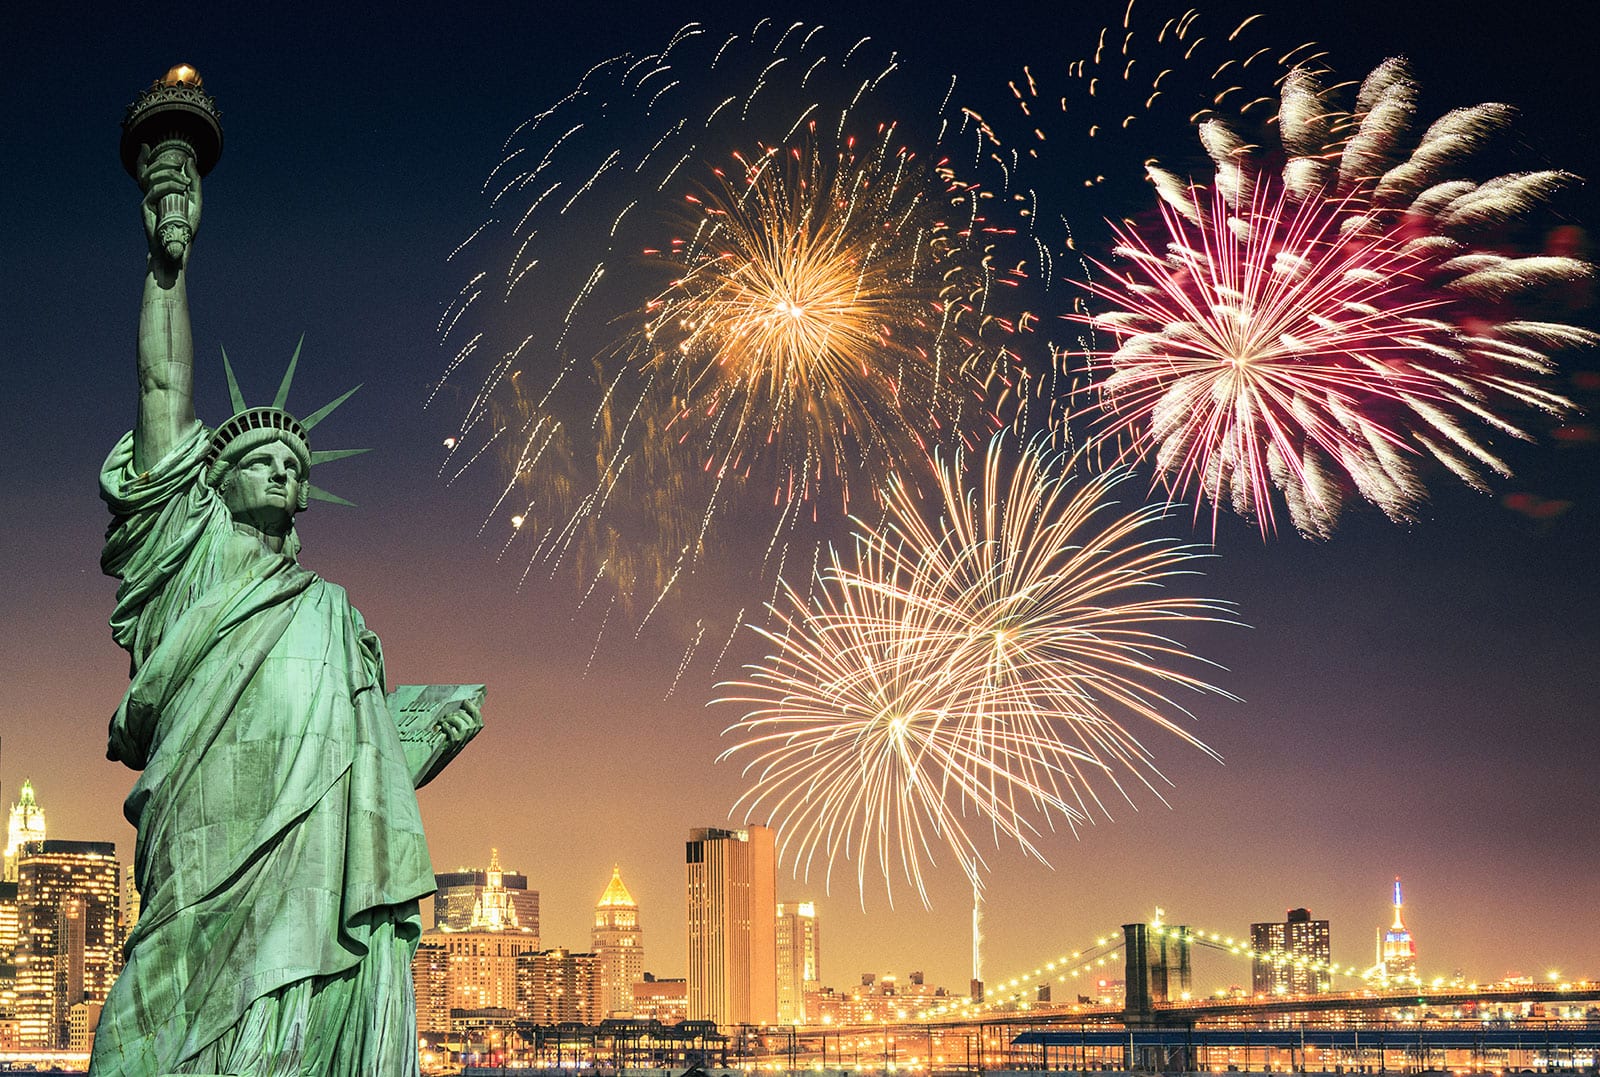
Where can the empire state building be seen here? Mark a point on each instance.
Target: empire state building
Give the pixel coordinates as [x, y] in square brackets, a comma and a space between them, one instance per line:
[1397, 954]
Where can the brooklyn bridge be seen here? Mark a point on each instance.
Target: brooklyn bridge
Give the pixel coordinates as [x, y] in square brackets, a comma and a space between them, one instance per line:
[1037, 1021]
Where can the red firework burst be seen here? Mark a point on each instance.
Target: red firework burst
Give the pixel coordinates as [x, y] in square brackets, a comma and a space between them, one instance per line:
[1324, 331]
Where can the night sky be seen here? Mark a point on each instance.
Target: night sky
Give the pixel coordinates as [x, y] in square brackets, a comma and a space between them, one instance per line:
[1417, 701]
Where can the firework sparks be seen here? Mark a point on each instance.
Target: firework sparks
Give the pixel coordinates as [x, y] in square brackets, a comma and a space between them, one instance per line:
[820, 319]
[1321, 330]
[1145, 80]
[830, 312]
[1133, 91]
[975, 662]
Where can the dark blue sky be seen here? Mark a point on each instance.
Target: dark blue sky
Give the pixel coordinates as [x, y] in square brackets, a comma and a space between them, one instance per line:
[1418, 701]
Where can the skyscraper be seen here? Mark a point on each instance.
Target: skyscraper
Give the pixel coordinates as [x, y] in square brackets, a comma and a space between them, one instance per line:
[67, 944]
[1397, 954]
[8, 921]
[480, 929]
[797, 959]
[618, 945]
[733, 913]
[461, 893]
[554, 986]
[26, 824]
[1292, 957]
[430, 983]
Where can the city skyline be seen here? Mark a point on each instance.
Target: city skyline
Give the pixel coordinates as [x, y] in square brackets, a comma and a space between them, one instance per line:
[487, 901]
[1416, 701]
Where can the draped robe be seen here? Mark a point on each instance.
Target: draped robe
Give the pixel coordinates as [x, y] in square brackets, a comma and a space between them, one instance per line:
[280, 854]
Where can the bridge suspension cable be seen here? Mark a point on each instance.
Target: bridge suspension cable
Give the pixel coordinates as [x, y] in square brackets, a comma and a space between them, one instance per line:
[1016, 989]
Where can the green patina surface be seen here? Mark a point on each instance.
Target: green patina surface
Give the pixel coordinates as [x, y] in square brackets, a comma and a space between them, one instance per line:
[280, 855]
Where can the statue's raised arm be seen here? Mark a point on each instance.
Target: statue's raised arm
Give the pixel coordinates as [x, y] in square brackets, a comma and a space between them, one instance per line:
[279, 853]
[166, 347]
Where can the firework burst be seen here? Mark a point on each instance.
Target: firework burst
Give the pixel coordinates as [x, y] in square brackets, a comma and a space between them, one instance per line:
[1320, 330]
[833, 307]
[974, 664]
[1132, 93]
[820, 318]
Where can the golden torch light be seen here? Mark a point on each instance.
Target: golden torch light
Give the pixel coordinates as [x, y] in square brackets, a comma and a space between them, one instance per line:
[173, 116]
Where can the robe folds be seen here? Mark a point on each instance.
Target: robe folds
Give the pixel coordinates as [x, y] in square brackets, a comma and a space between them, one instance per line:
[280, 854]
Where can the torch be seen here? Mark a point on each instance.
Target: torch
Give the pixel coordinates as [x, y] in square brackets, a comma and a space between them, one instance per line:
[173, 116]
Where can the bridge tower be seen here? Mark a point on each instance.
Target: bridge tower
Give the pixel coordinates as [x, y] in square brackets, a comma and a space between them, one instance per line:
[1156, 967]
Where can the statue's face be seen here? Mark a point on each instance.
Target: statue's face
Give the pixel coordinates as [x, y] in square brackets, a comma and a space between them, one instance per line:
[263, 488]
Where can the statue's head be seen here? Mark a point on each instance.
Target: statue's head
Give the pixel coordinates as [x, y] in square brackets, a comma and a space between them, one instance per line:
[265, 487]
[260, 466]
[259, 461]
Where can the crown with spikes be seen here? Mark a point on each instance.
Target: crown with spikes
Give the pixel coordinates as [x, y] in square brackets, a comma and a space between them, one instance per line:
[251, 428]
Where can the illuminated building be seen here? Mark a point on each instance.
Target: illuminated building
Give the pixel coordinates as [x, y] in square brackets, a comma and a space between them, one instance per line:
[480, 966]
[1293, 957]
[554, 986]
[479, 958]
[1397, 954]
[8, 922]
[666, 1001]
[82, 1019]
[131, 904]
[618, 944]
[430, 983]
[8, 966]
[461, 899]
[733, 914]
[1107, 992]
[882, 998]
[67, 934]
[27, 824]
[797, 959]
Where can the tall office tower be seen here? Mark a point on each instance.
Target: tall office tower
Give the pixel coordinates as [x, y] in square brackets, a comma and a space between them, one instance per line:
[27, 824]
[493, 909]
[797, 959]
[1398, 952]
[557, 985]
[461, 898]
[430, 983]
[618, 945]
[733, 917]
[1267, 942]
[8, 922]
[67, 939]
[1292, 957]
[8, 967]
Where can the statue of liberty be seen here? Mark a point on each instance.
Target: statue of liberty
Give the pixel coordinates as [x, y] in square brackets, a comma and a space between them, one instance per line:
[280, 855]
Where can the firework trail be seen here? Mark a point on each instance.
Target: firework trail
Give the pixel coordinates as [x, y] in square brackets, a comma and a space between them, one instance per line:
[1322, 323]
[976, 664]
[1145, 82]
[762, 339]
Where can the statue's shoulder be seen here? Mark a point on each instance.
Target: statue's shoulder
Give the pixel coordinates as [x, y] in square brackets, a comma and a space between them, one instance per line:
[332, 595]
